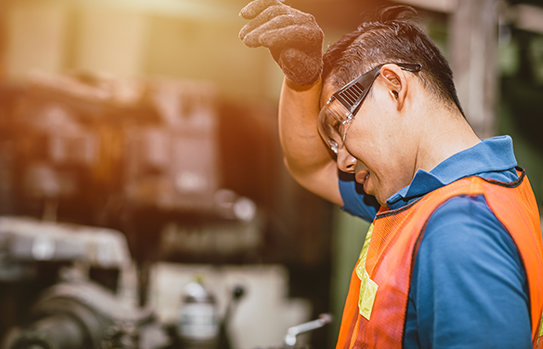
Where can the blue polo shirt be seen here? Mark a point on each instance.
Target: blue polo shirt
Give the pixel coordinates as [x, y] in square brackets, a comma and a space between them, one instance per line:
[468, 287]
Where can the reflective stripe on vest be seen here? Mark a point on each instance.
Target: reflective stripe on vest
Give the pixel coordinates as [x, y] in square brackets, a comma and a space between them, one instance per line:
[392, 249]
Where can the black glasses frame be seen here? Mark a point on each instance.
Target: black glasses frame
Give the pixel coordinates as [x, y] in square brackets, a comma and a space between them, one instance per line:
[353, 94]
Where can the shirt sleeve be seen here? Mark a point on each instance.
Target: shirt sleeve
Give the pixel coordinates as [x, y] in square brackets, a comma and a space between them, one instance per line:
[468, 287]
[355, 201]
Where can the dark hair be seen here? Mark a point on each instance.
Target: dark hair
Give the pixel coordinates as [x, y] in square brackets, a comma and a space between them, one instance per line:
[391, 37]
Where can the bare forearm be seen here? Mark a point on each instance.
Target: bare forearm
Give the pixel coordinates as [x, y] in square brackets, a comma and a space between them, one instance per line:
[306, 156]
[298, 111]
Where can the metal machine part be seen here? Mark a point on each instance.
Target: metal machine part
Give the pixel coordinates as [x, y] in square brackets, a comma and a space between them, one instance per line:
[50, 299]
[84, 315]
[198, 318]
[30, 240]
[294, 331]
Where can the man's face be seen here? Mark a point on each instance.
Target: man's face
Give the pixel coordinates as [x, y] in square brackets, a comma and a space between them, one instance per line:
[378, 148]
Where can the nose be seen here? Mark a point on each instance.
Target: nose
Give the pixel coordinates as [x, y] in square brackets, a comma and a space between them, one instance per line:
[345, 161]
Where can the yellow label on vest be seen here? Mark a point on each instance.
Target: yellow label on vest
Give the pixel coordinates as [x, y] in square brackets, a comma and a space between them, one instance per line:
[360, 267]
[540, 334]
[368, 287]
[368, 291]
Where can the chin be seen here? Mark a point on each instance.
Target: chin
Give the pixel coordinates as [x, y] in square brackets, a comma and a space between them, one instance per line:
[381, 198]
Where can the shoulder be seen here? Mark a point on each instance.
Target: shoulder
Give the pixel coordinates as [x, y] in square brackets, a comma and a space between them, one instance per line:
[465, 229]
[464, 218]
[466, 265]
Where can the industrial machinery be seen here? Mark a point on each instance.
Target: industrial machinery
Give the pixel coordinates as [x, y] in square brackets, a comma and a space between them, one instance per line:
[66, 306]
[136, 166]
[54, 298]
[59, 288]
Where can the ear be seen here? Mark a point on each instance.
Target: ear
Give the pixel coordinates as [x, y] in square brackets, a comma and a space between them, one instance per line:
[395, 82]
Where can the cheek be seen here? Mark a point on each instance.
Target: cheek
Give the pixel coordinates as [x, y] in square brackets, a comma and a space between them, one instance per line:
[365, 144]
[375, 139]
[379, 146]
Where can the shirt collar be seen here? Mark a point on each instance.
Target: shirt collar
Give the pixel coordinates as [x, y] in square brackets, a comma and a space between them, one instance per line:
[489, 155]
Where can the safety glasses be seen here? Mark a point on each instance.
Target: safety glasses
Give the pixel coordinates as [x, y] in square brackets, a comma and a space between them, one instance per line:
[337, 114]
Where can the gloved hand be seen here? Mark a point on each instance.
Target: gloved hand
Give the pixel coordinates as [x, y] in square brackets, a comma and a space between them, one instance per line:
[293, 37]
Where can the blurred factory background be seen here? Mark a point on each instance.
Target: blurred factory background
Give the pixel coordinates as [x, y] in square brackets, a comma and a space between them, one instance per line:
[143, 199]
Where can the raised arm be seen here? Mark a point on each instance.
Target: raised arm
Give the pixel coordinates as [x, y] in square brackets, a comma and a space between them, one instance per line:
[295, 42]
[306, 156]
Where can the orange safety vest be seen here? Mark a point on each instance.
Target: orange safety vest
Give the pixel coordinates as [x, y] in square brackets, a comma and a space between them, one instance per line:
[376, 306]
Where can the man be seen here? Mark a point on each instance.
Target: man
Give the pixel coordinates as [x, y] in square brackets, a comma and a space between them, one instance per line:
[454, 257]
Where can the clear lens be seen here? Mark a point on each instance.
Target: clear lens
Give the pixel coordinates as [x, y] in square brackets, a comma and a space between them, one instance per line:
[333, 121]
[335, 117]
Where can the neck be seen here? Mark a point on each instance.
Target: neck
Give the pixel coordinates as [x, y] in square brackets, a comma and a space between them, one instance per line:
[446, 133]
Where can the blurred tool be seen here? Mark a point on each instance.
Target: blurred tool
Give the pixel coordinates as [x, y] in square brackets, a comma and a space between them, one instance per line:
[294, 331]
[199, 324]
[198, 319]
[225, 342]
